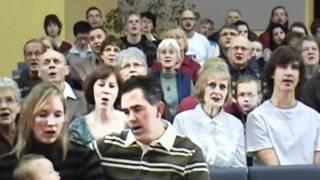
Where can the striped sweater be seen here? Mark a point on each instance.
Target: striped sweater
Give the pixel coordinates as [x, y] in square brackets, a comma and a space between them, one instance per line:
[171, 157]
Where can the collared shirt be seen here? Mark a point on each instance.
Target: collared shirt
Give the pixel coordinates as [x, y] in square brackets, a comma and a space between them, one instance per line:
[172, 156]
[221, 138]
[166, 140]
[68, 92]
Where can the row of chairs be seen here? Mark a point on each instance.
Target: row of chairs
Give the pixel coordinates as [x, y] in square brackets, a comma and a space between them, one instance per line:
[296, 172]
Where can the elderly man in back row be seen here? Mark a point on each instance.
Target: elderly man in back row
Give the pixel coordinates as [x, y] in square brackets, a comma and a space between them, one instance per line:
[239, 54]
[151, 148]
[29, 73]
[53, 68]
[199, 47]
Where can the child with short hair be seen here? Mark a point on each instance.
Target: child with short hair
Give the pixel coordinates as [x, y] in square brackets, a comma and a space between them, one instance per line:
[35, 167]
[248, 95]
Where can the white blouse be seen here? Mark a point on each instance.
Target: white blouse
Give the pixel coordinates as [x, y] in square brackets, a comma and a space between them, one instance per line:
[221, 138]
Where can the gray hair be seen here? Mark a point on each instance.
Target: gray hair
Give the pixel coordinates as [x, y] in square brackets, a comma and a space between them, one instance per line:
[8, 83]
[169, 43]
[133, 53]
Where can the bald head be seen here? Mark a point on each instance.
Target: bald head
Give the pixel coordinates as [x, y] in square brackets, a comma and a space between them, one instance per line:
[53, 66]
[239, 52]
[52, 53]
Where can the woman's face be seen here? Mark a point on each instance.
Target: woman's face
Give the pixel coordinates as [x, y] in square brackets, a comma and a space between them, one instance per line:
[49, 121]
[278, 35]
[110, 54]
[256, 49]
[9, 106]
[168, 58]
[310, 53]
[105, 92]
[53, 30]
[216, 91]
[243, 30]
[132, 67]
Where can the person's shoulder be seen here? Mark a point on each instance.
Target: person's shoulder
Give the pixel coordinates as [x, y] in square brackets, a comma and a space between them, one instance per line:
[187, 114]
[8, 160]
[78, 148]
[201, 37]
[148, 43]
[78, 123]
[184, 144]
[78, 93]
[113, 138]
[233, 120]
[263, 109]
[306, 109]
[191, 62]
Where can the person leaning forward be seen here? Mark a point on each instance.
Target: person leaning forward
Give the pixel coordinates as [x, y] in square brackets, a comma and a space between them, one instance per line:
[151, 148]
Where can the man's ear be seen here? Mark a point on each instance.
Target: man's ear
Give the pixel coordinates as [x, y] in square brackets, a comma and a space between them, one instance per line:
[66, 70]
[160, 109]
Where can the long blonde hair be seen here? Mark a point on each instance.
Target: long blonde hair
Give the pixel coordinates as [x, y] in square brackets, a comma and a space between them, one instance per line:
[37, 98]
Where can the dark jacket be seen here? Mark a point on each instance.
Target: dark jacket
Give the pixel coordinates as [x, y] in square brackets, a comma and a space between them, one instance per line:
[25, 82]
[310, 92]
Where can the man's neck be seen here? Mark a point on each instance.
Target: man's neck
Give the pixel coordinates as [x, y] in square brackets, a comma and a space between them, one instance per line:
[34, 74]
[310, 70]
[283, 99]
[60, 85]
[239, 67]
[134, 39]
[190, 34]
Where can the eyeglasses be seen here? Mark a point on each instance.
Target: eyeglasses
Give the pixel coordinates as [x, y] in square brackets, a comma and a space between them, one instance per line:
[187, 18]
[250, 95]
[237, 48]
[35, 53]
[133, 65]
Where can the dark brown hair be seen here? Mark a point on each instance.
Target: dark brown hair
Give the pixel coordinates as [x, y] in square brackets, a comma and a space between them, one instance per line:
[103, 71]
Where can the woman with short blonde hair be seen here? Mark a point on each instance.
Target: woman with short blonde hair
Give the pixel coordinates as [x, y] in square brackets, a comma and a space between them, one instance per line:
[219, 134]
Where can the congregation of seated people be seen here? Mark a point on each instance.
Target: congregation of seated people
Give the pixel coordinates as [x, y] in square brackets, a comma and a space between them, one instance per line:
[169, 106]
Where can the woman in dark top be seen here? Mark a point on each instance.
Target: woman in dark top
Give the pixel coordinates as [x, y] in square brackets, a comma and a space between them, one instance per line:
[175, 85]
[42, 130]
[9, 109]
[277, 34]
[52, 27]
